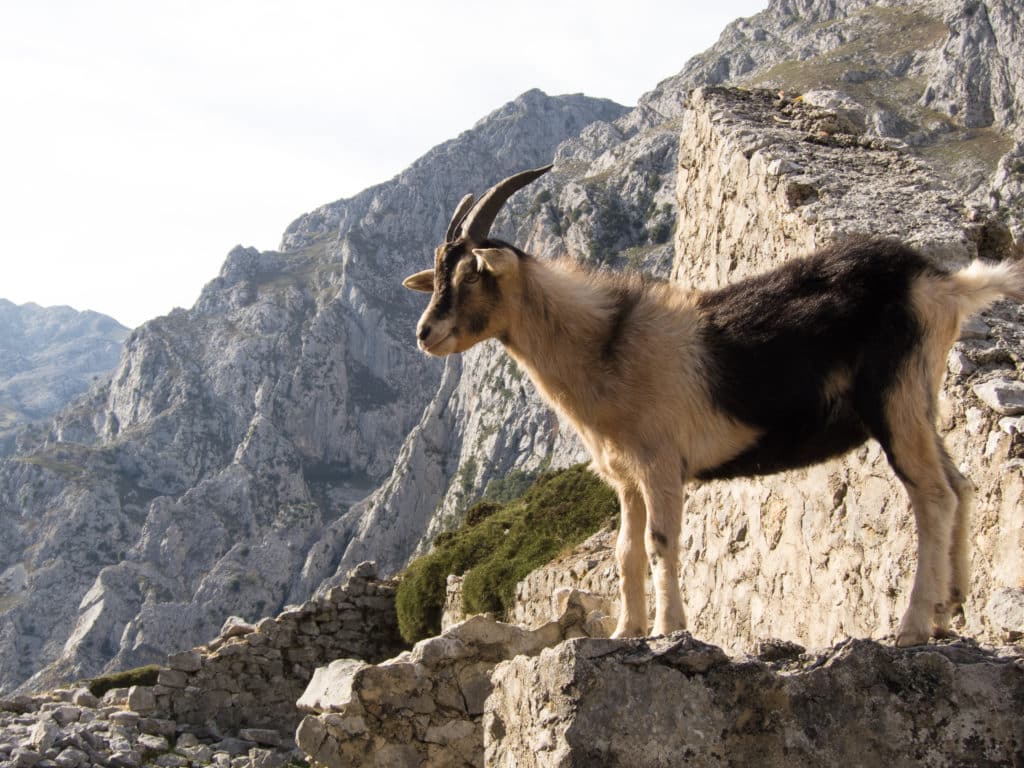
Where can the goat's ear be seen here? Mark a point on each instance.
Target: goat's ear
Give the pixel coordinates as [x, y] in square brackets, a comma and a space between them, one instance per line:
[497, 261]
[421, 281]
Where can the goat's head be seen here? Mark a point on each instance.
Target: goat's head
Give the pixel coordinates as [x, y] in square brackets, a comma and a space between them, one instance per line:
[469, 275]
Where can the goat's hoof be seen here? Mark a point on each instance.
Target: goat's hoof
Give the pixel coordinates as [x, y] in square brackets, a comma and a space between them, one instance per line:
[623, 632]
[908, 640]
[667, 630]
[912, 633]
[950, 615]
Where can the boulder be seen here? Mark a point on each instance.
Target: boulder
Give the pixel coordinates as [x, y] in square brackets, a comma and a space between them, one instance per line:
[674, 701]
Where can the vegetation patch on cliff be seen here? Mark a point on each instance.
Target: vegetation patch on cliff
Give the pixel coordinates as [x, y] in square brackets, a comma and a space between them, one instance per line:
[498, 544]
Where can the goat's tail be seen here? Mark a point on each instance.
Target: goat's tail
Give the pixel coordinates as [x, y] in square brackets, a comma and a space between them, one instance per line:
[980, 283]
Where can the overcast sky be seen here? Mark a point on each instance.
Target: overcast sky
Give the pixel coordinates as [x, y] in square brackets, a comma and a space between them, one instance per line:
[141, 140]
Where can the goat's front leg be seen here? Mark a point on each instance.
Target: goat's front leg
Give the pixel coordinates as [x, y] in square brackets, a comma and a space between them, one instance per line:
[629, 552]
[663, 497]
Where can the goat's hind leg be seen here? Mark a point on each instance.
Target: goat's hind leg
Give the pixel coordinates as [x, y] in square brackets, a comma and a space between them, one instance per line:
[921, 463]
[960, 552]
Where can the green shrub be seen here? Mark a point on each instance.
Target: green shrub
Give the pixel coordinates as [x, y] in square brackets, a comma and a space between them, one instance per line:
[499, 544]
[509, 487]
[480, 512]
[139, 676]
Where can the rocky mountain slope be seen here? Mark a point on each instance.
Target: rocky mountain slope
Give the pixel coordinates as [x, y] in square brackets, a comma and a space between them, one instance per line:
[49, 356]
[254, 447]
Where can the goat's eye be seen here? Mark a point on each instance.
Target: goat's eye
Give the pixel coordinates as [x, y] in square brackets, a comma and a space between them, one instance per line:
[471, 277]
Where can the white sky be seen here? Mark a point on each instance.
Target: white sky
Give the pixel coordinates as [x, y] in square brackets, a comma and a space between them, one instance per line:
[141, 140]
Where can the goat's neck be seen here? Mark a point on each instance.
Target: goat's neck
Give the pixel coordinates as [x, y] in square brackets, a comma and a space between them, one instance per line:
[557, 329]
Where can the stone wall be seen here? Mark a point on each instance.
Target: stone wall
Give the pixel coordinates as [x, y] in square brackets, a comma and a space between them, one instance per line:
[230, 703]
[252, 675]
[763, 178]
[71, 728]
[828, 552]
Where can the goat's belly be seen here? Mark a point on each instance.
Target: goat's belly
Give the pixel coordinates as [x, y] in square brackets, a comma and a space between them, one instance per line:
[781, 450]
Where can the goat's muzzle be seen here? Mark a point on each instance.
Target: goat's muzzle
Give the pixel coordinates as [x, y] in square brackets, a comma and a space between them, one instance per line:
[438, 339]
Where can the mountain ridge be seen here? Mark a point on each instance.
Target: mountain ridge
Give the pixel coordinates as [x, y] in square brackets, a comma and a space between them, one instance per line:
[48, 357]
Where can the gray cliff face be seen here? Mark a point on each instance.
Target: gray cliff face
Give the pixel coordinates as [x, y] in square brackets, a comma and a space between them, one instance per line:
[212, 475]
[48, 357]
[249, 451]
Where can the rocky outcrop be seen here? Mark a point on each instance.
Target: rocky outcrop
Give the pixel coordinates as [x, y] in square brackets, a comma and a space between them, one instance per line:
[676, 700]
[48, 357]
[424, 707]
[487, 693]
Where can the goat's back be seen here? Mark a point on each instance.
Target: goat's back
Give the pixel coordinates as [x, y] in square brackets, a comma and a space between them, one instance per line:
[808, 353]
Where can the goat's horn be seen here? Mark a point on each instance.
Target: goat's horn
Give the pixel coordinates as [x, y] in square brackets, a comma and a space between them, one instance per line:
[477, 224]
[457, 217]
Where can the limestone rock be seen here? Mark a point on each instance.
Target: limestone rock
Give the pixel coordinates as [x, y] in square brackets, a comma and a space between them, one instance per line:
[141, 699]
[1005, 612]
[235, 626]
[71, 757]
[151, 744]
[1005, 396]
[84, 698]
[643, 703]
[974, 328]
[25, 758]
[330, 686]
[185, 661]
[422, 707]
[43, 735]
[263, 736]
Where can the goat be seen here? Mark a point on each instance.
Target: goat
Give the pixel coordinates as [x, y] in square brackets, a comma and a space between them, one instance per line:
[783, 370]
